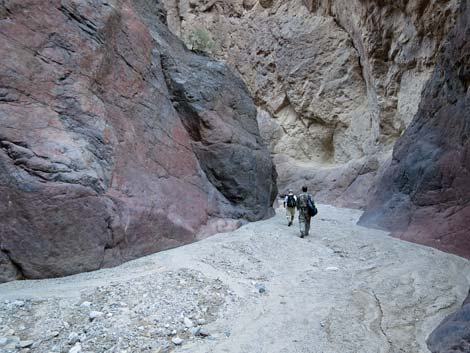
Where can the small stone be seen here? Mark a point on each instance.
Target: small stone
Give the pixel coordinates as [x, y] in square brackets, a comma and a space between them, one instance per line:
[95, 314]
[18, 303]
[196, 331]
[188, 323]
[85, 304]
[204, 332]
[73, 338]
[177, 341]
[26, 344]
[13, 342]
[76, 349]
[201, 322]
[332, 269]
[3, 341]
[260, 287]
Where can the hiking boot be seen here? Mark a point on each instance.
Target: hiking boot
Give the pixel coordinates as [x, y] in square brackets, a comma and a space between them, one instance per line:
[290, 223]
[301, 235]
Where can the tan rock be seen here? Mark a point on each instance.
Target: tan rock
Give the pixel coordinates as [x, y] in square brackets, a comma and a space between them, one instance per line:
[335, 81]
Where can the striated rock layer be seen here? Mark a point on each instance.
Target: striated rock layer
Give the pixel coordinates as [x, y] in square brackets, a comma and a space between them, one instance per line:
[96, 165]
[424, 195]
[336, 82]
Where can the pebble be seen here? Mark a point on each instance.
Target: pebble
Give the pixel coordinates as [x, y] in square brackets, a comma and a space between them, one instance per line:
[177, 341]
[260, 287]
[18, 303]
[188, 323]
[332, 269]
[204, 332]
[95, 314]
[3, 341]
[76, 349]
[85, 304]
[201, 322]
[73, 338]
[26, 344]
[196, 331]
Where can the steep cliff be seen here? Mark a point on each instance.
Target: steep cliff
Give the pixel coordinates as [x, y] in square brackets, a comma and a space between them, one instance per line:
[336, 82]
[424, 195]
[115, 140]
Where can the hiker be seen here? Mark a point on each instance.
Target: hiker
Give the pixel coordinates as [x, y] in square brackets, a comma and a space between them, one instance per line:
[289, 204]
[307, 210]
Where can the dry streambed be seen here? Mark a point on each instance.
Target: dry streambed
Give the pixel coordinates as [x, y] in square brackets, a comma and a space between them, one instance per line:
[258, 289]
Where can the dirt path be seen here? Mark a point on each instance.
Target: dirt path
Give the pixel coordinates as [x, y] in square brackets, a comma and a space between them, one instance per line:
[259, 289]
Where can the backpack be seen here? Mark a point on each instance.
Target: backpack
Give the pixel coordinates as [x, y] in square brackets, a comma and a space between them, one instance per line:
[305, 201]
[312, 210]
[291, 201]
[302, 201]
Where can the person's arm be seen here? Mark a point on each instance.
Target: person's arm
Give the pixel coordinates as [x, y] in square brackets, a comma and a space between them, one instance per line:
[285, 201]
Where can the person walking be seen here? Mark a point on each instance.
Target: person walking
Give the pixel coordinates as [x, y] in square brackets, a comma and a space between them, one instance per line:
[289, 204]
[304, 200]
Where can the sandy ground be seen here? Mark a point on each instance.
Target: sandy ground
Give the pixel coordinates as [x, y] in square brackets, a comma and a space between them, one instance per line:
[260, 289]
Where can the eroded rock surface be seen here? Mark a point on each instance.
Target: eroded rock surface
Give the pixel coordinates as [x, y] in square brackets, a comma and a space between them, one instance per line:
[424, 194]
[336, 82]
[453, 334]
[96, 165]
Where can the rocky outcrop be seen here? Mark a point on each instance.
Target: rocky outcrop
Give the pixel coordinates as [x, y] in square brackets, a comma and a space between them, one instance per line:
[336, 82]
[96, 165]
[453, 334]
[424, 194]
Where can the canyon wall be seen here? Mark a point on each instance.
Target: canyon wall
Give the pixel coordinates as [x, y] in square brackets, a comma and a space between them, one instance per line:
[424, 196]
[335, 82]
[115, 140]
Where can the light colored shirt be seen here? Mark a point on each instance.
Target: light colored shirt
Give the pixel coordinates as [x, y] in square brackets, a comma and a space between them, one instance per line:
[285, 200]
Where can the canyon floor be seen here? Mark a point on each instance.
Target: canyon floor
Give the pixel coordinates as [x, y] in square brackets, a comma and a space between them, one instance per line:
[258, 289]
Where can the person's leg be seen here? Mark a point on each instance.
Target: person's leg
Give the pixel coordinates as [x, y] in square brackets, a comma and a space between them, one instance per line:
[288, 216]
[301, 224]
[307, 225]
[291, 215]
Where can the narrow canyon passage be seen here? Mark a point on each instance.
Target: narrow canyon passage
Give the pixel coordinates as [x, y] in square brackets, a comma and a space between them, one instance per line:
[261, 288]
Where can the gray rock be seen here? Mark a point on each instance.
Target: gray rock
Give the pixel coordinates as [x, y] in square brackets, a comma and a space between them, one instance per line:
[196, 331]
[188, 322]
[95, 314]
[177, 341]
[76, 349]
[3, 341]
[26, 343]
[204, 332]
[73, 338]
[260, 287]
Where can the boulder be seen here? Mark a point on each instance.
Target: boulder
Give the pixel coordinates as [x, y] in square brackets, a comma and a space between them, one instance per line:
[97, 167]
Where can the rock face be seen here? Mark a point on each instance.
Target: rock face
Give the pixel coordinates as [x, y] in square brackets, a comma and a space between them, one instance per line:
[453, 334]
[335, 82]
[96, 165]
[424, 195]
